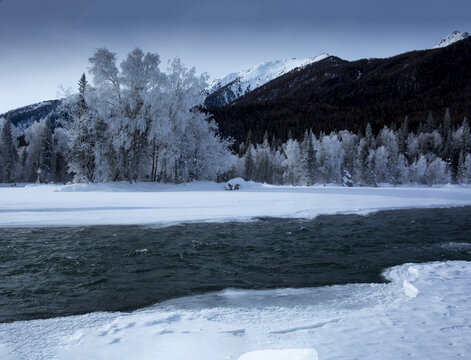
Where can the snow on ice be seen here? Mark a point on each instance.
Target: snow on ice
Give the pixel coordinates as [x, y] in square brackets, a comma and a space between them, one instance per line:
[354, 321]
[154, 203]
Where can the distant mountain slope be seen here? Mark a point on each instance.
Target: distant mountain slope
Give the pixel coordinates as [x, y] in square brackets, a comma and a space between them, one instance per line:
[451, 39]
[25, 116]
[234, 85]
[335, 94]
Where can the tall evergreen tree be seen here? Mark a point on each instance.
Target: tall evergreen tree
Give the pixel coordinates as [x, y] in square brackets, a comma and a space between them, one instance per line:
[81, 137]
[430, 124]
[46, 158]
[81, 103]
[8, 153]
[369, 137]
[447, 125]
[309, 161]
[249, 163]
[461, 171]
[466, 136]
[361, 168]
[402, 136]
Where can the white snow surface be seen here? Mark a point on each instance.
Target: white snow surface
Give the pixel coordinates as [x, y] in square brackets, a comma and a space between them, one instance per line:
[452, 38]
[166, 204]
[353, 321]
[284, 354]
[258, 75]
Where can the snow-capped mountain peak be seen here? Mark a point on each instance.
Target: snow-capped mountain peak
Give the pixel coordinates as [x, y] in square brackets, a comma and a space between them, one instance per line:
[238, 84]
[452, 38]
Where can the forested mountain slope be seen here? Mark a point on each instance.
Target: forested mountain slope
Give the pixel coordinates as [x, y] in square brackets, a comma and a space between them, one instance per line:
[335, 94]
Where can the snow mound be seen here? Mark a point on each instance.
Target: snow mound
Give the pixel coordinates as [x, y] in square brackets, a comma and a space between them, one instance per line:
[288, 354]
[235, 184]
[123, 186]
[451, 39]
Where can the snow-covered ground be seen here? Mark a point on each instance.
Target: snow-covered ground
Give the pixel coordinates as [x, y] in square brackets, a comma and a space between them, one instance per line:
[151, 203]
[423, 313]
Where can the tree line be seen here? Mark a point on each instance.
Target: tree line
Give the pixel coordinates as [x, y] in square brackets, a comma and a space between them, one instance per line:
[137, 123]
[437, 153]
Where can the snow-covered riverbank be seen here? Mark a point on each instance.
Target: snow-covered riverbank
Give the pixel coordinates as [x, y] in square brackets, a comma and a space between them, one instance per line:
[151, 203]
[423, 313]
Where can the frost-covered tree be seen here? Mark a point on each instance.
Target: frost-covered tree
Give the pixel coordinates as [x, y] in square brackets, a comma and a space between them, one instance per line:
[139, 124]
[263, 163]
[81, 135]
[292, 164]
[182, 125]
[387, 138]
[381, 167]
[466, 175]
[330, 158]
[140, 78]
[418, 170]
[402, 170]
[372, 167]
[278, 159]
[349, 143]
[106, 77]
[437, 172]
[413, 147]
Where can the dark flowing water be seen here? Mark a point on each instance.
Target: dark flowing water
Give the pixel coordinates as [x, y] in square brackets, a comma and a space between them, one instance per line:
[47, 272]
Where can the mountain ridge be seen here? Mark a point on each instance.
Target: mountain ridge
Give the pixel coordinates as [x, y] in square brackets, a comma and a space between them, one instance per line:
[24, 116]
[234, 85]
[451, 39]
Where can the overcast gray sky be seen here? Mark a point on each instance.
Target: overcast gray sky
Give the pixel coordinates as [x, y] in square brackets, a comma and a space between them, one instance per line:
[46, 43]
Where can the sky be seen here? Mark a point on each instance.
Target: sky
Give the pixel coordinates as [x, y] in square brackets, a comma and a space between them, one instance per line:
[45, 44]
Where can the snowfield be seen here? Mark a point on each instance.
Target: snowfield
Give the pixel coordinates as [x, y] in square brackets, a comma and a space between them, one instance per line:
[423, 313]
[163, 204]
